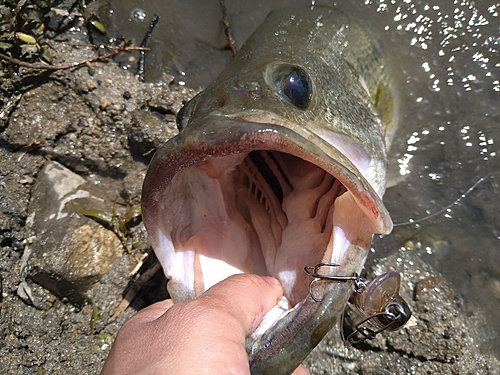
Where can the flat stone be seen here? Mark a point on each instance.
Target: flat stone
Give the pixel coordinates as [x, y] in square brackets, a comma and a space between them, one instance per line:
[69, 251]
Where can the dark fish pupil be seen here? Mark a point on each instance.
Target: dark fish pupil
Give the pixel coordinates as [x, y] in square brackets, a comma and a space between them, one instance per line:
[297, 89]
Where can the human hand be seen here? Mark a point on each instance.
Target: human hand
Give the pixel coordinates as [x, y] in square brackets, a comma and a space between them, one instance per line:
[202, 336]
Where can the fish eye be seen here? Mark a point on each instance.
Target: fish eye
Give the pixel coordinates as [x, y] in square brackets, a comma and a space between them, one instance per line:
[297, 88]
[291, 82]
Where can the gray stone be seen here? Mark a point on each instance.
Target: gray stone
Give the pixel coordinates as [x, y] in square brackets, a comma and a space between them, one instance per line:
[147, 132]
[35, 295]
[69, 251]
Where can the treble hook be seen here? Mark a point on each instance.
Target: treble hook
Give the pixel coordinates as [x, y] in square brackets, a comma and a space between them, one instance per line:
[314, 272]
[378, 300]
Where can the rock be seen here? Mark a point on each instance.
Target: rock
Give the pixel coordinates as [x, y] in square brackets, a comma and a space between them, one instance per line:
[151, 128]
[69, 251]
[35, 295]
[433, 288]
[147, 132]
[57, 18]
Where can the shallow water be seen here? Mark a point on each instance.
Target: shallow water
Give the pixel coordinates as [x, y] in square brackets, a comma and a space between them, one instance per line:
[444, 61]
[189, 40]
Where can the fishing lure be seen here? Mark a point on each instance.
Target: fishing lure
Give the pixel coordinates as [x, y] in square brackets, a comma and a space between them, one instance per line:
[377, 300]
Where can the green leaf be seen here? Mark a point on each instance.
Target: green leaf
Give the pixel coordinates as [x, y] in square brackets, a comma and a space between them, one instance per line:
[94, 317]
[94, 214]
[106, 338]
[98, 25]
[132, 212]
[5, 46]
[25, 38]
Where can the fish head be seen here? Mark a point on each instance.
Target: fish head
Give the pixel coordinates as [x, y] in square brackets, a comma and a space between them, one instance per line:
[279, 164]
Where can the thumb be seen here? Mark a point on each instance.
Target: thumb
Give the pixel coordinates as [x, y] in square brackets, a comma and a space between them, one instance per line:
[246, 297]
[152, 312]
[301, 370]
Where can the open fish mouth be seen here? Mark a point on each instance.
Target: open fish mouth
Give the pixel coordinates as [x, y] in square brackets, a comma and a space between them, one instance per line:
[265, 200]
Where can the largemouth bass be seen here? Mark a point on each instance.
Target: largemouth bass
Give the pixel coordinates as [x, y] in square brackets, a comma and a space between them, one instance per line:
[279, 164]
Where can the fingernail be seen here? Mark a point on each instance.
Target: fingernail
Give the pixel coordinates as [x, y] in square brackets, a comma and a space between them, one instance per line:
[271, 280]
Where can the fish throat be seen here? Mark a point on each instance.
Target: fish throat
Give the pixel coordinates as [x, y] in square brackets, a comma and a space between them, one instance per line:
[263, 212]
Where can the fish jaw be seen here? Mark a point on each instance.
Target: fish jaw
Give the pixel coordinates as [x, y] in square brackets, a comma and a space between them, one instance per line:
[190, 215]
[183, 185]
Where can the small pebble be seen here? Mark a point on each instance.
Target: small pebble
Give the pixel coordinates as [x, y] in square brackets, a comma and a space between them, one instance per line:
[103, 102]
[26, 180]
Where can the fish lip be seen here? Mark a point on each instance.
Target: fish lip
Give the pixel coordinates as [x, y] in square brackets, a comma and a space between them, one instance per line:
[221, 135]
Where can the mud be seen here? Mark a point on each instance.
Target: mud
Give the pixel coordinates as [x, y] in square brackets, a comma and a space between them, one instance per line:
[102, 123]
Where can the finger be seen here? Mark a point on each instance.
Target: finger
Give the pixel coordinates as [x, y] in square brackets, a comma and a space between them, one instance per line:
[246, 297]
[301, 370]
[152, 312]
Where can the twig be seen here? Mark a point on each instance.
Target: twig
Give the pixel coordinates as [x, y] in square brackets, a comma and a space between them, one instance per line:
[134, 290]
[228, 29]
[122, 48]
[141, 65]
[19, 6]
